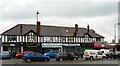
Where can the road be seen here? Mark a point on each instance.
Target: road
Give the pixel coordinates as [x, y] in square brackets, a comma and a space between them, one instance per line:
[53, 61]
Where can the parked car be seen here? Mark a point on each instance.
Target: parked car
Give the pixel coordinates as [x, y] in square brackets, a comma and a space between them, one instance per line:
[93, 54]
[20, 55]
[66, 56]
[5, 55]
[116, 55]
[52, 54]
[109, 55]
[35, 56]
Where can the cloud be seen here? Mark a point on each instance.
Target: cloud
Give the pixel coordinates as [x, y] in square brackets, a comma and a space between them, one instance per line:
[101, 16]
[18, 10]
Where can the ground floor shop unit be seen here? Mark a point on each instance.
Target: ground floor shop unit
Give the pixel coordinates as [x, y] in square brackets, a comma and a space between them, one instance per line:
[44, 47]
[12, 47]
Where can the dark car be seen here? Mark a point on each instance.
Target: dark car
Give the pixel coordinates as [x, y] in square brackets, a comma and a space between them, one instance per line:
[116, 55]
[66, 56]
[35, 56]
[109, 55]
[5, 55]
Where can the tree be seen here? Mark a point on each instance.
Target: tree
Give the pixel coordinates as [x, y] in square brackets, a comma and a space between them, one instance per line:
[118, 40]
[113, 41]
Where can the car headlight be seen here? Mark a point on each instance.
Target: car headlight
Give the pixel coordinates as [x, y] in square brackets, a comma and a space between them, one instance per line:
[45, 54]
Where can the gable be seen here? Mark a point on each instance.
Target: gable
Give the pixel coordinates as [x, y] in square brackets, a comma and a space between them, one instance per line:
[29, 32]
[87, 35]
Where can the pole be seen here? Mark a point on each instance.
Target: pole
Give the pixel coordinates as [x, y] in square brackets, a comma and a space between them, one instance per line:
[37, 16]
[115, 32]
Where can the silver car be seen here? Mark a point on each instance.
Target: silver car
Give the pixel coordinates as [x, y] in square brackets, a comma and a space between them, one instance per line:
[5, 55]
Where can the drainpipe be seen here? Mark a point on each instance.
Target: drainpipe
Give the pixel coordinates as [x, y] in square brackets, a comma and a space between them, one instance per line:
[1, 48]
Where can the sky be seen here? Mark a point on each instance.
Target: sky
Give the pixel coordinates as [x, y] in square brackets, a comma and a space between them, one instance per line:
[100, 15]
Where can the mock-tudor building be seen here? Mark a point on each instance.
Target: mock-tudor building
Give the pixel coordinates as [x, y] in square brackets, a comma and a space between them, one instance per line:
[43, 38]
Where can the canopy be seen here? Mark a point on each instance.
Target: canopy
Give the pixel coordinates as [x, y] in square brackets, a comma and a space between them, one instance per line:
[102, 45]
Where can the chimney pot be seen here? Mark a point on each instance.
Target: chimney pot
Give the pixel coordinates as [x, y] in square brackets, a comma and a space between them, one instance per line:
[88, 28]
[76, 30]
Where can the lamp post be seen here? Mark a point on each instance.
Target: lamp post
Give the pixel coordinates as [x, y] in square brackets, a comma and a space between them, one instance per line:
[115, 32]
[118, 32]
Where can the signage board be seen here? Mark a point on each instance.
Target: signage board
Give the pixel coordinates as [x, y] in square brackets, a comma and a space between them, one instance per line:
[71, 44]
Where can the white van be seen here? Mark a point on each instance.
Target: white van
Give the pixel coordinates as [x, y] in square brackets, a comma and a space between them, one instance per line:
[93, 54]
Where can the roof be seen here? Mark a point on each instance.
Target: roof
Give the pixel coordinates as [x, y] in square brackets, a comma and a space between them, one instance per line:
[47, 30]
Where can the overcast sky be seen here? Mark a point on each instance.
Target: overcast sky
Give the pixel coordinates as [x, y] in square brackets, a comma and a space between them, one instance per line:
[100, 15]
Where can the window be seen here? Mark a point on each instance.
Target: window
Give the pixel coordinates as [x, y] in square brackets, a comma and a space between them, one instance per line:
[47, 39]
[31, 37]
[99, 53]
[38, 54]
[86, 38]
[12, 38]
[70, 39]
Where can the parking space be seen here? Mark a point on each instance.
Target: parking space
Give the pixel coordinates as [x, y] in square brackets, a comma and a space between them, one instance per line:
[53, 61]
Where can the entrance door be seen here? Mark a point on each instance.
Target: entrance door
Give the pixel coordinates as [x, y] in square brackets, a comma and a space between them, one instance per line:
[70, 49]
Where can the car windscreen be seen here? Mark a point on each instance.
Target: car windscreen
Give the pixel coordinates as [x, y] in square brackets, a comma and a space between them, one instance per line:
[52, 52]
[4, 53]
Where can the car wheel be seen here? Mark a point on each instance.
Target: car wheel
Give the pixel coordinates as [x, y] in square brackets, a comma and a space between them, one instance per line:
[46, 59]
[111, 57]
[103, 57]
[91, 58]
[84, 59]
[61, 59]
[57, 59]
[77, 58]
[28, 60]
[19, 57]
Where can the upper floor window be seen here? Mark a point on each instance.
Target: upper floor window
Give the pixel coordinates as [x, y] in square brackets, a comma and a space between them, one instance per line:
[70, 39]
[31, 37]
[86, 37]
[98, 39]
[12, 38]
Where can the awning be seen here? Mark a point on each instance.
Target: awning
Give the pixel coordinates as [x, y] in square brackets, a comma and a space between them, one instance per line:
[102, 45]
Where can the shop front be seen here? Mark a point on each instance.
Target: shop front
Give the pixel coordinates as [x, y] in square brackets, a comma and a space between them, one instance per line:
[71, 48]
[46, 47]
[13, 48]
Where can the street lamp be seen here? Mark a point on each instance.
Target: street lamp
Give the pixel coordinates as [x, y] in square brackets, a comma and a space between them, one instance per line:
[115, 32]
[118, 32]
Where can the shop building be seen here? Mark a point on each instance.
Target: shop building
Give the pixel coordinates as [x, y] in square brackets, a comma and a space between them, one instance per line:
[43, 38]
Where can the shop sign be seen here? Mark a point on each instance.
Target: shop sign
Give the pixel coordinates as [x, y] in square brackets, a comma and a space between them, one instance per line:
[71, 44]
[6, 45]
[51, 45]
[12, 44]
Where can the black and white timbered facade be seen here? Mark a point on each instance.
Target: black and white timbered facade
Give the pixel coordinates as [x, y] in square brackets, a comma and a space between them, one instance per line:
[24, 37]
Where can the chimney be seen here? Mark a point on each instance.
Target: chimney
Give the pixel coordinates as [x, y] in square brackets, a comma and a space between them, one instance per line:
[88, 28]
[21, 29]
[38, 28]
[76, 30]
